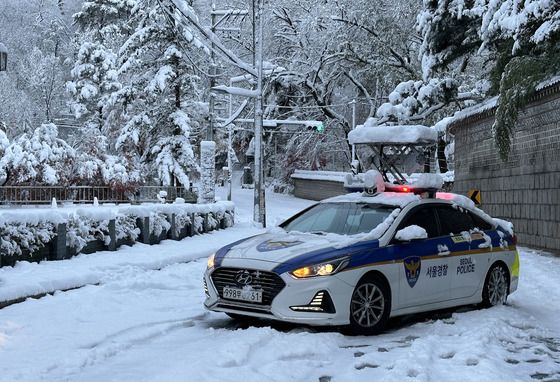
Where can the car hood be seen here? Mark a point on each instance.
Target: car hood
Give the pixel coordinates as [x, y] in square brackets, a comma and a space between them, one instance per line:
[279, 247]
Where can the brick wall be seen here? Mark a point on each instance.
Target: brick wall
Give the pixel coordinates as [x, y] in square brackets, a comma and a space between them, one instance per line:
[526, 188]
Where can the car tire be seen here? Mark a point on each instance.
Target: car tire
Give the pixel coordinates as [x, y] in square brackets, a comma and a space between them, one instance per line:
[496, 286]
[370, 306]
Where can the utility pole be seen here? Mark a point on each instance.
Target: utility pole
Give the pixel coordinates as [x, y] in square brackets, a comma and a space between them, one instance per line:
[259, 191]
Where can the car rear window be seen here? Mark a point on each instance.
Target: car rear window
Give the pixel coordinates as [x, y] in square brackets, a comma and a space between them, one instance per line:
[340, 218]
[454, 221]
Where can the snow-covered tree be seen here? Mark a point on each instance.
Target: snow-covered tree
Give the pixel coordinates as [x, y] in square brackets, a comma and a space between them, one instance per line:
[94, 79]
[160, 96]
[38, 158]
[517, 43]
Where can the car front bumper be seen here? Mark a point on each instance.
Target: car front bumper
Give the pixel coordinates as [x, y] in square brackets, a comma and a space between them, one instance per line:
[296, 293]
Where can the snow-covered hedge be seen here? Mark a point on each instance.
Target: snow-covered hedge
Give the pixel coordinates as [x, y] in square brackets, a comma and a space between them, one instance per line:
[29, 229]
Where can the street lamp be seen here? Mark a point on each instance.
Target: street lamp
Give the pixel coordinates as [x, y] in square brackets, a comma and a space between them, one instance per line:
[3, 57]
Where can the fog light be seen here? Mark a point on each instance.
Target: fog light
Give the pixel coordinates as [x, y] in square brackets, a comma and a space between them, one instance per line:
[321, 302]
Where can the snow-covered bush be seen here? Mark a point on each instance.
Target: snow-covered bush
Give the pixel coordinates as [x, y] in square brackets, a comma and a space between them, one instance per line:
[198, 224]
[182, 220]
[126, 228]
[17, 237]
[77, 233]
[158, 223]
[213, 223]
[81, 230]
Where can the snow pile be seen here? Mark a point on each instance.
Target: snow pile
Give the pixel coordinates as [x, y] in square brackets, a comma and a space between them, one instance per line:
[404, 134]
[448, 176]
[411, 232]
[428, 181]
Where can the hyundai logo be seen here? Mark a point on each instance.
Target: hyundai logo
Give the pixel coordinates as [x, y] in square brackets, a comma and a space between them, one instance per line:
[243, 278]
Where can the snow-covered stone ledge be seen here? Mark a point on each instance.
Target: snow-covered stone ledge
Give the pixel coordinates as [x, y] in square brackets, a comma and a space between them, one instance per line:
[35, 234]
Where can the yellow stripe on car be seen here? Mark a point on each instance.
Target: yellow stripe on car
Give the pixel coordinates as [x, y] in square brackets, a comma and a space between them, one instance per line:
[515, 266]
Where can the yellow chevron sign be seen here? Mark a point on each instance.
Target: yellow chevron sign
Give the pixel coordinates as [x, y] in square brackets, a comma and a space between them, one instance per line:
[474, 195]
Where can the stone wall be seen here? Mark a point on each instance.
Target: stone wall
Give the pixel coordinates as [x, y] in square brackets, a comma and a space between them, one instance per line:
[526, 188]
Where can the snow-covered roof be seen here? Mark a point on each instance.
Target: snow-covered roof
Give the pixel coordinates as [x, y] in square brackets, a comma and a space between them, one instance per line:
[404, 134]
[338, 176]
[334, 176]
[486, 105]
[550, 82]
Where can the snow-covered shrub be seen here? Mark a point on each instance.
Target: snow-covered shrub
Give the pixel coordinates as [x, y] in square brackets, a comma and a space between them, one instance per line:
[77, 233]
[158, 223]
[81, 230]
[213, 223]
[182, 220]
[229, 217]
[126, 228]
[17, 237]
[198, 224]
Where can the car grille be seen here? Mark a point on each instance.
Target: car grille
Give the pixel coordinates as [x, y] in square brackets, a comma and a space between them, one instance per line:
[270, 283]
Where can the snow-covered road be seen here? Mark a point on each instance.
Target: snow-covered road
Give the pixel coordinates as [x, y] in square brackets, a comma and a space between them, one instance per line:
[150, 325]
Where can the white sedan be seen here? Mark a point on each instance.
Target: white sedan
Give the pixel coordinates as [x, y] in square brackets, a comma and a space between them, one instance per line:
[358, 260]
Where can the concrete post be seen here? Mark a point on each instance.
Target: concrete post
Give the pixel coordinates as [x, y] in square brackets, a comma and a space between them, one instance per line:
[190, 229]
[174, 230]
[112, 235]
[58, 245]
[144, 225]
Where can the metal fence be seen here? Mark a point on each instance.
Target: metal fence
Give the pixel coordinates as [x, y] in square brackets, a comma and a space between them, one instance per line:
[86, 194]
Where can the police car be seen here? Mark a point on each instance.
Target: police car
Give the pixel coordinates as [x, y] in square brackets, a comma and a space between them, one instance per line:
[356, 260]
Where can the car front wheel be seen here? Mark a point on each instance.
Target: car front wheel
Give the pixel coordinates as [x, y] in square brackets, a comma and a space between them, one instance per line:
[370, 306]
[496, 286]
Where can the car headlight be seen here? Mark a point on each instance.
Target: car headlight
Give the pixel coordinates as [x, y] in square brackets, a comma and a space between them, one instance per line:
[211, 261]
[323, 269]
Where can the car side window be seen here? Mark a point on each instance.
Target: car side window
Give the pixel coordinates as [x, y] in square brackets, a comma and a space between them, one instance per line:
[423, 217]
[480, 222]
[453, 221]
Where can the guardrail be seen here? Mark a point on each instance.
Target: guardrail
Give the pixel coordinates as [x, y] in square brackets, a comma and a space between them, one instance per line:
[86, 194]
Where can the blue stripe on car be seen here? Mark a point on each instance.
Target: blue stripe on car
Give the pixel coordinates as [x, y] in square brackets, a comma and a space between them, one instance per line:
[222, 252]
[369, 253]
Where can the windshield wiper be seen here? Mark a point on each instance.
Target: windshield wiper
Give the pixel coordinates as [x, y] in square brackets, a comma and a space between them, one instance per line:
[321, 233]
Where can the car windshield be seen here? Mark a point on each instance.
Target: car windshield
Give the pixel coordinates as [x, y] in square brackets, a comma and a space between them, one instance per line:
[340, 218]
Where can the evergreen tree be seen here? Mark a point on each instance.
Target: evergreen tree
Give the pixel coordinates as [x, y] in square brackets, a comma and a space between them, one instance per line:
[160, 97]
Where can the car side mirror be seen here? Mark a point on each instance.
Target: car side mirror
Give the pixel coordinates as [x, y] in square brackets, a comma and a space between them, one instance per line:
[412, 232]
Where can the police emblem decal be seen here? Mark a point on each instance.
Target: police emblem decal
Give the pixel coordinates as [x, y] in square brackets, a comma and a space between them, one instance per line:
[273, 245]
[412, 267]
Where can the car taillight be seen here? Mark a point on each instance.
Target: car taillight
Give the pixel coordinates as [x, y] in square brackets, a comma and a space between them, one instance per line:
[514, 239]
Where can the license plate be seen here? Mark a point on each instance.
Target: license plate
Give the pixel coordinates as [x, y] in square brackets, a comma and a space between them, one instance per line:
[242, 295]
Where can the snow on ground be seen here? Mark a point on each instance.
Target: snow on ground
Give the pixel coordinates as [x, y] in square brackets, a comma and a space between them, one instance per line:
[141, 324]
